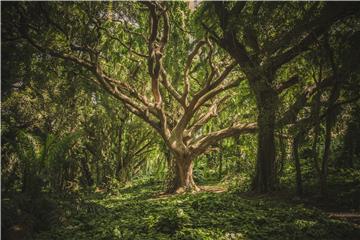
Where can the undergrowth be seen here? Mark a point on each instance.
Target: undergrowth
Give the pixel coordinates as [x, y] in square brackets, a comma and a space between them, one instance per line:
[139, 212]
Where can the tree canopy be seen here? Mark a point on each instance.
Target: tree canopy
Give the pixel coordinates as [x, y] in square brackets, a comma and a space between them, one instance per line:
[259, 96]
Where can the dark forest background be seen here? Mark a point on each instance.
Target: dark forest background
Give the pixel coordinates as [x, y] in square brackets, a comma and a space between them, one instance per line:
[153, 120]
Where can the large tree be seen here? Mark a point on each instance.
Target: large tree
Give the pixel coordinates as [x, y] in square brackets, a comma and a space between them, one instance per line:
[263, 39]
[125, 48]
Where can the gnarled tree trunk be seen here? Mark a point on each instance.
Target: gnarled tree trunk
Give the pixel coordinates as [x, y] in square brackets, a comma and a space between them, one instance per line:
[183, 177]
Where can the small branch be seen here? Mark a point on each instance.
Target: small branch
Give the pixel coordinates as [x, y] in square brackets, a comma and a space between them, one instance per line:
[211, 112]
[189, 61]
[56, 53]
[123, 44]
[170, 88]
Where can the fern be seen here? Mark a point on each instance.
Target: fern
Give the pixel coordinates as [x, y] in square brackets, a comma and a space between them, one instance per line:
[40, 158]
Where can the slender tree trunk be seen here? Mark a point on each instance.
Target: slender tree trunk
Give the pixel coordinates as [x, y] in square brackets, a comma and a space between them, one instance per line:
[265, 178]
[118, 169]
[220, 164]
[97, 171]
[329, 123]
[330, 119]
[295, 153]
[347, 157]
[86, 171]
[325, 160]
[8, 182]
[25, 180]
[119, 153]
[316, 110]
[282, 158]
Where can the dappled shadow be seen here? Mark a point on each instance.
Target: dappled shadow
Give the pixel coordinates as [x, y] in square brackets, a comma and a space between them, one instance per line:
[213, 188]
[143, 213]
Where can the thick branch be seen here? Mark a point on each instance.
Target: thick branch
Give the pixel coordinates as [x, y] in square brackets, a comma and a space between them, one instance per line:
[156, 52]
[170, 87]
[201, 144]
[291, 114]
[204, 95]
[109, 84]
[58, 54]
[289, 83]
[330, 14]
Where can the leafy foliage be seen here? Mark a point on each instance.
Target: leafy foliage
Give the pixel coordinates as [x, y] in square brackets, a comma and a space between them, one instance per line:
[139, 213]
[87, 146]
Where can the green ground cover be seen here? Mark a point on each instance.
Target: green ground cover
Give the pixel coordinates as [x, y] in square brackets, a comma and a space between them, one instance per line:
[141, 212]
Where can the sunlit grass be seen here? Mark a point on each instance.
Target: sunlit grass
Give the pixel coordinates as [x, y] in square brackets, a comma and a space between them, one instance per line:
[142, 213]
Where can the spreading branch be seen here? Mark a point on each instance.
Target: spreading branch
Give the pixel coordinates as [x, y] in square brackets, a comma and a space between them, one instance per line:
[201, 144]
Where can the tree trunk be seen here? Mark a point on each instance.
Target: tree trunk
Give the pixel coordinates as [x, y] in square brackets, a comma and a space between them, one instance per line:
[25, 179]
[325, 160]
[119, 163]
[97, 171]
[220, 164]
[183, 177]
[265, 164]
[86, 171]
[329, 123]
[347, 157]
[295, 152]
[280, 164]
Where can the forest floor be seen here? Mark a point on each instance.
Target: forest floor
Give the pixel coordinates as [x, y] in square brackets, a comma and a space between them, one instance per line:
[142, 212]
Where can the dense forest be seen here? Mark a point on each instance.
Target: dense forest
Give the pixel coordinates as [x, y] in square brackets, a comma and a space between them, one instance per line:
[180, 120]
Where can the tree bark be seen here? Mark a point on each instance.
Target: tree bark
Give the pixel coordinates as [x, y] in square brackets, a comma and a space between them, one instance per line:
[220, 164]
[325, 161]
[86, 171]
[347, 156]
[280, 164]
[295, 152]
[265, 177]
[98, 181]
[119, 156]
[183, 177]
